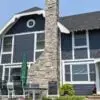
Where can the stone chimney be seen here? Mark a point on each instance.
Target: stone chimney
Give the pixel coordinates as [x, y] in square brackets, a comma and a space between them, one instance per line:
[47, 66]
[52, 37]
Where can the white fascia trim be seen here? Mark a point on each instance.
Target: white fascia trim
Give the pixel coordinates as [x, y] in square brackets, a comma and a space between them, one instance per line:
[12, 20]
[62, 28]
[31, 13]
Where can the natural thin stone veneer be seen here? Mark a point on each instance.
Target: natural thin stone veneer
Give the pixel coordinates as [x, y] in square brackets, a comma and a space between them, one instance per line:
[46, 68]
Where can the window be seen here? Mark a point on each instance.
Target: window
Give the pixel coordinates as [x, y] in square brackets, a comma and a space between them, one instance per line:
[39, 44]
[6, 58]
[80, 45]
[80, 39]
[6, 50]
[12, 74]
[80, 72]
[15, 74]
[7, 44]
[92, 72]
[67, 73]
[40, 41]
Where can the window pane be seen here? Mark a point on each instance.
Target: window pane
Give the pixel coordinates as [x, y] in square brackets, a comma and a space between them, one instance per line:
[40, 41]
[7, 44]
[6, 58]
[15, 74]
[40, 37]
[80, 38]
[6, 74]
[67, 72]
[92, 72]
[79, 73]
[81, 53]
[38, 54]
[40, 45]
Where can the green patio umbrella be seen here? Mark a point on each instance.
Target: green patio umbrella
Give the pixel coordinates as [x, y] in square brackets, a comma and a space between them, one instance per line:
[24, 70]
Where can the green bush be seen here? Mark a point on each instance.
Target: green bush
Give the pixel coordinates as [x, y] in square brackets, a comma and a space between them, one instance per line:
[46, 98]
[65, 98]
[66, 89]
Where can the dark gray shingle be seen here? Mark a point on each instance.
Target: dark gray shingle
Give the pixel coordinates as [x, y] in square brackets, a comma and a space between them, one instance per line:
[30, 10]
[82, 21]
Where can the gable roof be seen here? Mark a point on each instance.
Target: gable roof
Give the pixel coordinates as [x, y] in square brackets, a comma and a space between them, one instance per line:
[86, 21]
[30, 10]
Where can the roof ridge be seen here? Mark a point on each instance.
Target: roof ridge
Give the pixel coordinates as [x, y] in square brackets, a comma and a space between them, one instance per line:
[80, 14]
[30, 10]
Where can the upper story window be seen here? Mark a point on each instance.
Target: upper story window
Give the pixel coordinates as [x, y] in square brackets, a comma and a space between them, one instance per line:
[7, 44]
[40, 41]
[6, 49]
[80, 39]
[80, 45]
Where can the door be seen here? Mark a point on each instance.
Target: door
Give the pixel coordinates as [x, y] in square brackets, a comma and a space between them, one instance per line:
[98, 77]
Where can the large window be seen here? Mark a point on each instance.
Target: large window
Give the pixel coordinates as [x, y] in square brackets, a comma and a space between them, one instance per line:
[80, 72]
[39, 44]
[80, 45]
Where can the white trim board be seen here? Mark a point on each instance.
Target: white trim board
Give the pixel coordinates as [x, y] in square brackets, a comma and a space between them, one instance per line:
[17, 16]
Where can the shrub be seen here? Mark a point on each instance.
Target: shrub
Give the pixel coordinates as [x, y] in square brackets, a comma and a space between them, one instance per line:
[46, 98]
[67, 89]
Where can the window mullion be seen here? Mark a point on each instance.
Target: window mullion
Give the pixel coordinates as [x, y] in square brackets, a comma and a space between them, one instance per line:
[73, 44]
[12, 49]
[88, 69]
[71, 73]
[9, 74]
[35, 44]
[88, 47]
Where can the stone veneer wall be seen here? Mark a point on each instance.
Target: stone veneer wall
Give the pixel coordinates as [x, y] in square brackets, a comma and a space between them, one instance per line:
[47, 66]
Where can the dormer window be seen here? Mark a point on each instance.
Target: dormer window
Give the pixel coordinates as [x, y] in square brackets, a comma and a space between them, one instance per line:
[31, 23]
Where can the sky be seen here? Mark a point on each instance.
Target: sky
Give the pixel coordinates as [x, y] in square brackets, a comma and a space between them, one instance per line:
[66, 7]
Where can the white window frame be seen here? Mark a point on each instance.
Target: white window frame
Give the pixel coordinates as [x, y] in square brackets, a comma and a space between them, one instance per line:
[9, 66]
[10, 52]
[77, 82]
[81, 46]
[35, 45]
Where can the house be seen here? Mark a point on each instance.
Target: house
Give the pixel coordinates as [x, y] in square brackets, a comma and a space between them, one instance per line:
[79, 49]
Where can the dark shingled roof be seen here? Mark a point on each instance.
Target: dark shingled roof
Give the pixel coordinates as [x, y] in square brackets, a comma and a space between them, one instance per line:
[30, 10]
[82, 21]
